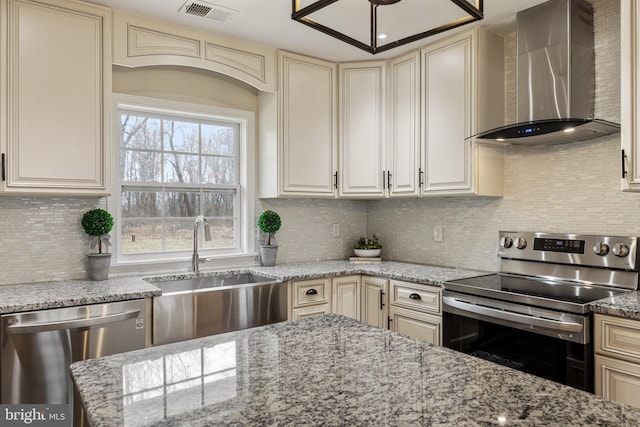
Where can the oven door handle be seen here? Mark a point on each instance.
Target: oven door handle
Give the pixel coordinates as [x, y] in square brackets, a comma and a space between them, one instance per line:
[511, 316]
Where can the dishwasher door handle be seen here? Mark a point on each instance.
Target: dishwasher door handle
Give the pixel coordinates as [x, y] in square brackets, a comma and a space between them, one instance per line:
[511, 316]
[35, 327]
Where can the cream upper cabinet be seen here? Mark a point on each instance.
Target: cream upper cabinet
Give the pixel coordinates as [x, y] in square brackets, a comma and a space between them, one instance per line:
[630, 94]
[346, 296]
[55, 97]
[140, 41]
[298, 130]
[362, 155]
[403, 140]
[374, 301]
[462, 93]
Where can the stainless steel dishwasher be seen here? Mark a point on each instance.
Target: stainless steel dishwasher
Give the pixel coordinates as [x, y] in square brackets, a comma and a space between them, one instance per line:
[37, 348]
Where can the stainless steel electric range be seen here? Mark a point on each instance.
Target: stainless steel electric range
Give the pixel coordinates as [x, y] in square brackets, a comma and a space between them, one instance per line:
[533, 315]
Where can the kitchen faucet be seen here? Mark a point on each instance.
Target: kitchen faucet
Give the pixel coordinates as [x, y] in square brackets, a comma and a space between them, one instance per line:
[195, 258]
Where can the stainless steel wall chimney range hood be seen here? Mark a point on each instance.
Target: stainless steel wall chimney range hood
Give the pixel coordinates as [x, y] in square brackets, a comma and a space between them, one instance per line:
[555, 77]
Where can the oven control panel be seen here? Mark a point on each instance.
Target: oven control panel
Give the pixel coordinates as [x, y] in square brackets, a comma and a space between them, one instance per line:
[619, 252]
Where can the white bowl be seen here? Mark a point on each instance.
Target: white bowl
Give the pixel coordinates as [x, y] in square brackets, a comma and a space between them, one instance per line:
[367, 253]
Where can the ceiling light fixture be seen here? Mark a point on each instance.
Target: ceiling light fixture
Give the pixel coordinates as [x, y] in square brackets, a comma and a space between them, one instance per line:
[473, 10]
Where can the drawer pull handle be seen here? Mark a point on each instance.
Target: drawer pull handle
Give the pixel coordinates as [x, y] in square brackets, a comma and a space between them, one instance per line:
[311, 292]
[414, 296]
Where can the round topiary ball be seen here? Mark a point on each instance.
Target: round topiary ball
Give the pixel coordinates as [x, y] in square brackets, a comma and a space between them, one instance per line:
[269, 222]
[97, 222]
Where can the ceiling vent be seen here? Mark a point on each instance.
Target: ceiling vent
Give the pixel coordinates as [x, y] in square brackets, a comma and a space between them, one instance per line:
[207, 10]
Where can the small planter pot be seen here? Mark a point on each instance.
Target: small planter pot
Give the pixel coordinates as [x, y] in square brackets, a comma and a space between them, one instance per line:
[367, 253]
[98, 267]
[268, 255]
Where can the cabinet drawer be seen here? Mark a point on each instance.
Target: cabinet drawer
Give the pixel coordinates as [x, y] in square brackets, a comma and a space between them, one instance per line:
[416, 297]
[311, 292]
[310, 311]
[617, 337]
[415, 324]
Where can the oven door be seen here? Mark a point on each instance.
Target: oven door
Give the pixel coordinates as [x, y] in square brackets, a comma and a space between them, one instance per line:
[534, 342]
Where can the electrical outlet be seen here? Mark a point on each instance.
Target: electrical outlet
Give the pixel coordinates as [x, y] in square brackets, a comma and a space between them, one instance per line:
[335, 230]
[437, 233]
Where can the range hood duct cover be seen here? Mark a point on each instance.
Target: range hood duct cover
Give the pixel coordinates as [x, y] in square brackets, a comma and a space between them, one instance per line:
[555, 77]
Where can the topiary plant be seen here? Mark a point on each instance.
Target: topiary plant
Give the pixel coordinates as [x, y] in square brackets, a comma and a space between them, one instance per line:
[97, 223]
[269, 222]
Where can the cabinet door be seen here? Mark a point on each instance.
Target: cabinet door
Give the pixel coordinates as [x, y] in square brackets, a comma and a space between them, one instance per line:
[58, 73]
[374, 308]
[447, 115]
[308, 125]
[617, 380]
[403, 143]
[362, 129]
[346, 296]
[417, 325]
[630, 93]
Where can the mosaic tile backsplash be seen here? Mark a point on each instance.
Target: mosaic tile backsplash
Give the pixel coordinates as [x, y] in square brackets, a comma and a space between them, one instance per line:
[567, 188]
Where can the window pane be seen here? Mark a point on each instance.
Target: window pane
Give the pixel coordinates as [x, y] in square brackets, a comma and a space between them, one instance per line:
[182, 204]
[218, 204]
[218, 139]
[141, 236]
[179, 235]
[140, 132]
[222, 235]
[141, 204]
[181, 136]
[218, 170]
[181, 168]
[136, 166]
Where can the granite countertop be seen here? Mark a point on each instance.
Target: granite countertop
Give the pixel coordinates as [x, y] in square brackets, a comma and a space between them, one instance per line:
[46, 295]
[328, 370]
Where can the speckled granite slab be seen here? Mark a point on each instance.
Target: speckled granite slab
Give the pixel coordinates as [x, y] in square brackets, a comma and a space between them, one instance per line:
[624, 305]
[41, 296]
[327, 370]
[416, 273]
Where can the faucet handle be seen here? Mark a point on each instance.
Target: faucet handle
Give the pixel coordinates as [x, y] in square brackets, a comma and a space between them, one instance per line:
[207, 231]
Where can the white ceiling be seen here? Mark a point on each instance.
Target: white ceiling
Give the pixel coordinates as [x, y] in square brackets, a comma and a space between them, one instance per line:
[268, 22]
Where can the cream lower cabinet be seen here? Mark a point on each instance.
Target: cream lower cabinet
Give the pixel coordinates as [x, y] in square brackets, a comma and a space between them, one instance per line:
[416, 311]
[617, 359]
[55, 89]
[346, 296]
[374, 301]
[309, 298]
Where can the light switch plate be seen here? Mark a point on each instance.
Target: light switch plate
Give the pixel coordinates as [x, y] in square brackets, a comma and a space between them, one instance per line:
[335, 230]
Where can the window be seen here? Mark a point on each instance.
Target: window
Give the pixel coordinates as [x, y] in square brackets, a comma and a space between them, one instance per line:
[177, 161]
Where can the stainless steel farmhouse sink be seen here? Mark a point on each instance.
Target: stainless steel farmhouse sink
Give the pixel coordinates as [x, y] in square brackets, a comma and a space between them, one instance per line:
[213, 304]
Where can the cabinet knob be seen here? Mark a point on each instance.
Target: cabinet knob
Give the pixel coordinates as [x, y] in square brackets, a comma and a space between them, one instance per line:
[415, 296]
[311, 292]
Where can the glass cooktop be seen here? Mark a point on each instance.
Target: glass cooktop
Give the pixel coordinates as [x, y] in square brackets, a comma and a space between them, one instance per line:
[557, 294]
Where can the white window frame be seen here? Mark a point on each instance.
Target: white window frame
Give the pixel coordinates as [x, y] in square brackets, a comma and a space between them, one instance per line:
[245, 251]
